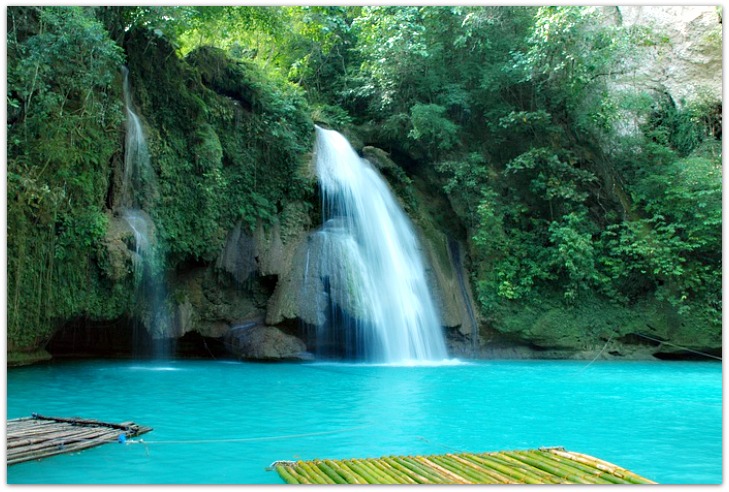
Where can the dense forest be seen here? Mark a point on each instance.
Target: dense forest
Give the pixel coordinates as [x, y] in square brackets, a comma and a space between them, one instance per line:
[588, 204]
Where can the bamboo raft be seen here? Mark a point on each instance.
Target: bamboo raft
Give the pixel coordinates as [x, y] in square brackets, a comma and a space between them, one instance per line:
[540, 466]
[31, 438]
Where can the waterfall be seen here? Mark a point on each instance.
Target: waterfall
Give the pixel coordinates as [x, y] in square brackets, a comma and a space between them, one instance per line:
[137, 188]
[378, 305]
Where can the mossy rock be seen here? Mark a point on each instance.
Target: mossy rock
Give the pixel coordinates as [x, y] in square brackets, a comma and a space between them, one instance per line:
[16, 359]
[592, 322]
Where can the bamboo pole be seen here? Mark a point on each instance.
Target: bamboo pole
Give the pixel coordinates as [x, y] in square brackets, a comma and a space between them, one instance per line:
[330, 473]
[557, 471]
[50, 437]
[39, 436]
[541, 466]
[52, 452]
[417, 464]
[61, 440]
[80, 421]
[361, 471]
[419, 468]
[310, 473]
[455, 467]
[517, 469]
[284, 472]
[589, 472]
[562, 466]
[393, 472]
[487, 476]
[443, 471]
[319, 473]
[536, 463]
[501, 472]
[380, 472]
[298, 473]
[611, 468]
[466, 469]
[344, 472]
[405, 471]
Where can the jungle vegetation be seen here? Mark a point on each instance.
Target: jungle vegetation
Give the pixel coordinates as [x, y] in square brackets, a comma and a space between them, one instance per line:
[506, 111]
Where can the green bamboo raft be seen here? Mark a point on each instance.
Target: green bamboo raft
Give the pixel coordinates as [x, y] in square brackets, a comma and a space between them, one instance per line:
[31, 438]
[541, 466]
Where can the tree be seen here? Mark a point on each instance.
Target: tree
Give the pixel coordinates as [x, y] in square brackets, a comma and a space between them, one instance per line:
[63, 123]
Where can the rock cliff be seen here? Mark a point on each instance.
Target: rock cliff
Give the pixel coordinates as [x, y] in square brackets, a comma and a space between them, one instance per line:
[685, 58]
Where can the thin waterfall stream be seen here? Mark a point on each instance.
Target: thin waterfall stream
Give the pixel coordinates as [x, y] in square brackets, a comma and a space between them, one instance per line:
[137, 189]
[377, 301]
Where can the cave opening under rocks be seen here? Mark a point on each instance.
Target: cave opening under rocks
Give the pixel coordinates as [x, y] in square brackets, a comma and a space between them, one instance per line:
[126, 338]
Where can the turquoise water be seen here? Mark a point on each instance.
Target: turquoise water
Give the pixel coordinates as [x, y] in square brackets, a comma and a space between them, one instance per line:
[221, 422]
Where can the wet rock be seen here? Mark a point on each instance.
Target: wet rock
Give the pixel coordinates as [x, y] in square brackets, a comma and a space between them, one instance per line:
[20, 358]
[267, 343]
[118, 249]
[206, 304]
[238, 256]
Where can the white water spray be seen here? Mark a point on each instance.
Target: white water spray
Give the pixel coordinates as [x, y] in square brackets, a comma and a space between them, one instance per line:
[138, 183]
[380, 308]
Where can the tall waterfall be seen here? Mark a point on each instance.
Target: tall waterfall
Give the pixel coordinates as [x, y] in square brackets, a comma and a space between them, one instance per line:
[379, 307]
[137, 187]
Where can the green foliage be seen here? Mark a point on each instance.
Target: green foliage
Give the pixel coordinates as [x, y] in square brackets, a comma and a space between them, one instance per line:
[506, 104]
[466, 182]
[554, 176]
[573, 253]
[683, 129]
[677, 246]
[318, 50]
[63, 121]
[227, 139]
[508, 109]
[431, 129]
[392, 45]
[333, 116]
[229, 148]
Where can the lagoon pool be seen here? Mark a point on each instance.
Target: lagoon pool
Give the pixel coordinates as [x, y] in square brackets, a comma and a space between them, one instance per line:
[224, 422]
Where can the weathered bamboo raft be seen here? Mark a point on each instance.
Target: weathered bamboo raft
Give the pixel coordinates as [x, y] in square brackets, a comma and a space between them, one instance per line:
[36, 437]
[539, 466]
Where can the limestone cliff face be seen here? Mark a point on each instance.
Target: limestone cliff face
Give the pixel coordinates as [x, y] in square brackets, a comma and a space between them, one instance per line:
[237, 288]
[686, 62]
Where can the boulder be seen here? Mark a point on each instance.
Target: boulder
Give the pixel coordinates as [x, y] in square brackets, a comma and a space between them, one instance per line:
[266, 343]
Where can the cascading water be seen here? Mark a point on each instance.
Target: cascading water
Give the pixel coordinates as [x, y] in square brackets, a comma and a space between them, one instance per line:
[378, 305]
[138, 175]
[137, 186]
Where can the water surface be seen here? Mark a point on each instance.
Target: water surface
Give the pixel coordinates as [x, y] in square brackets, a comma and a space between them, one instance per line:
[218, 422]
